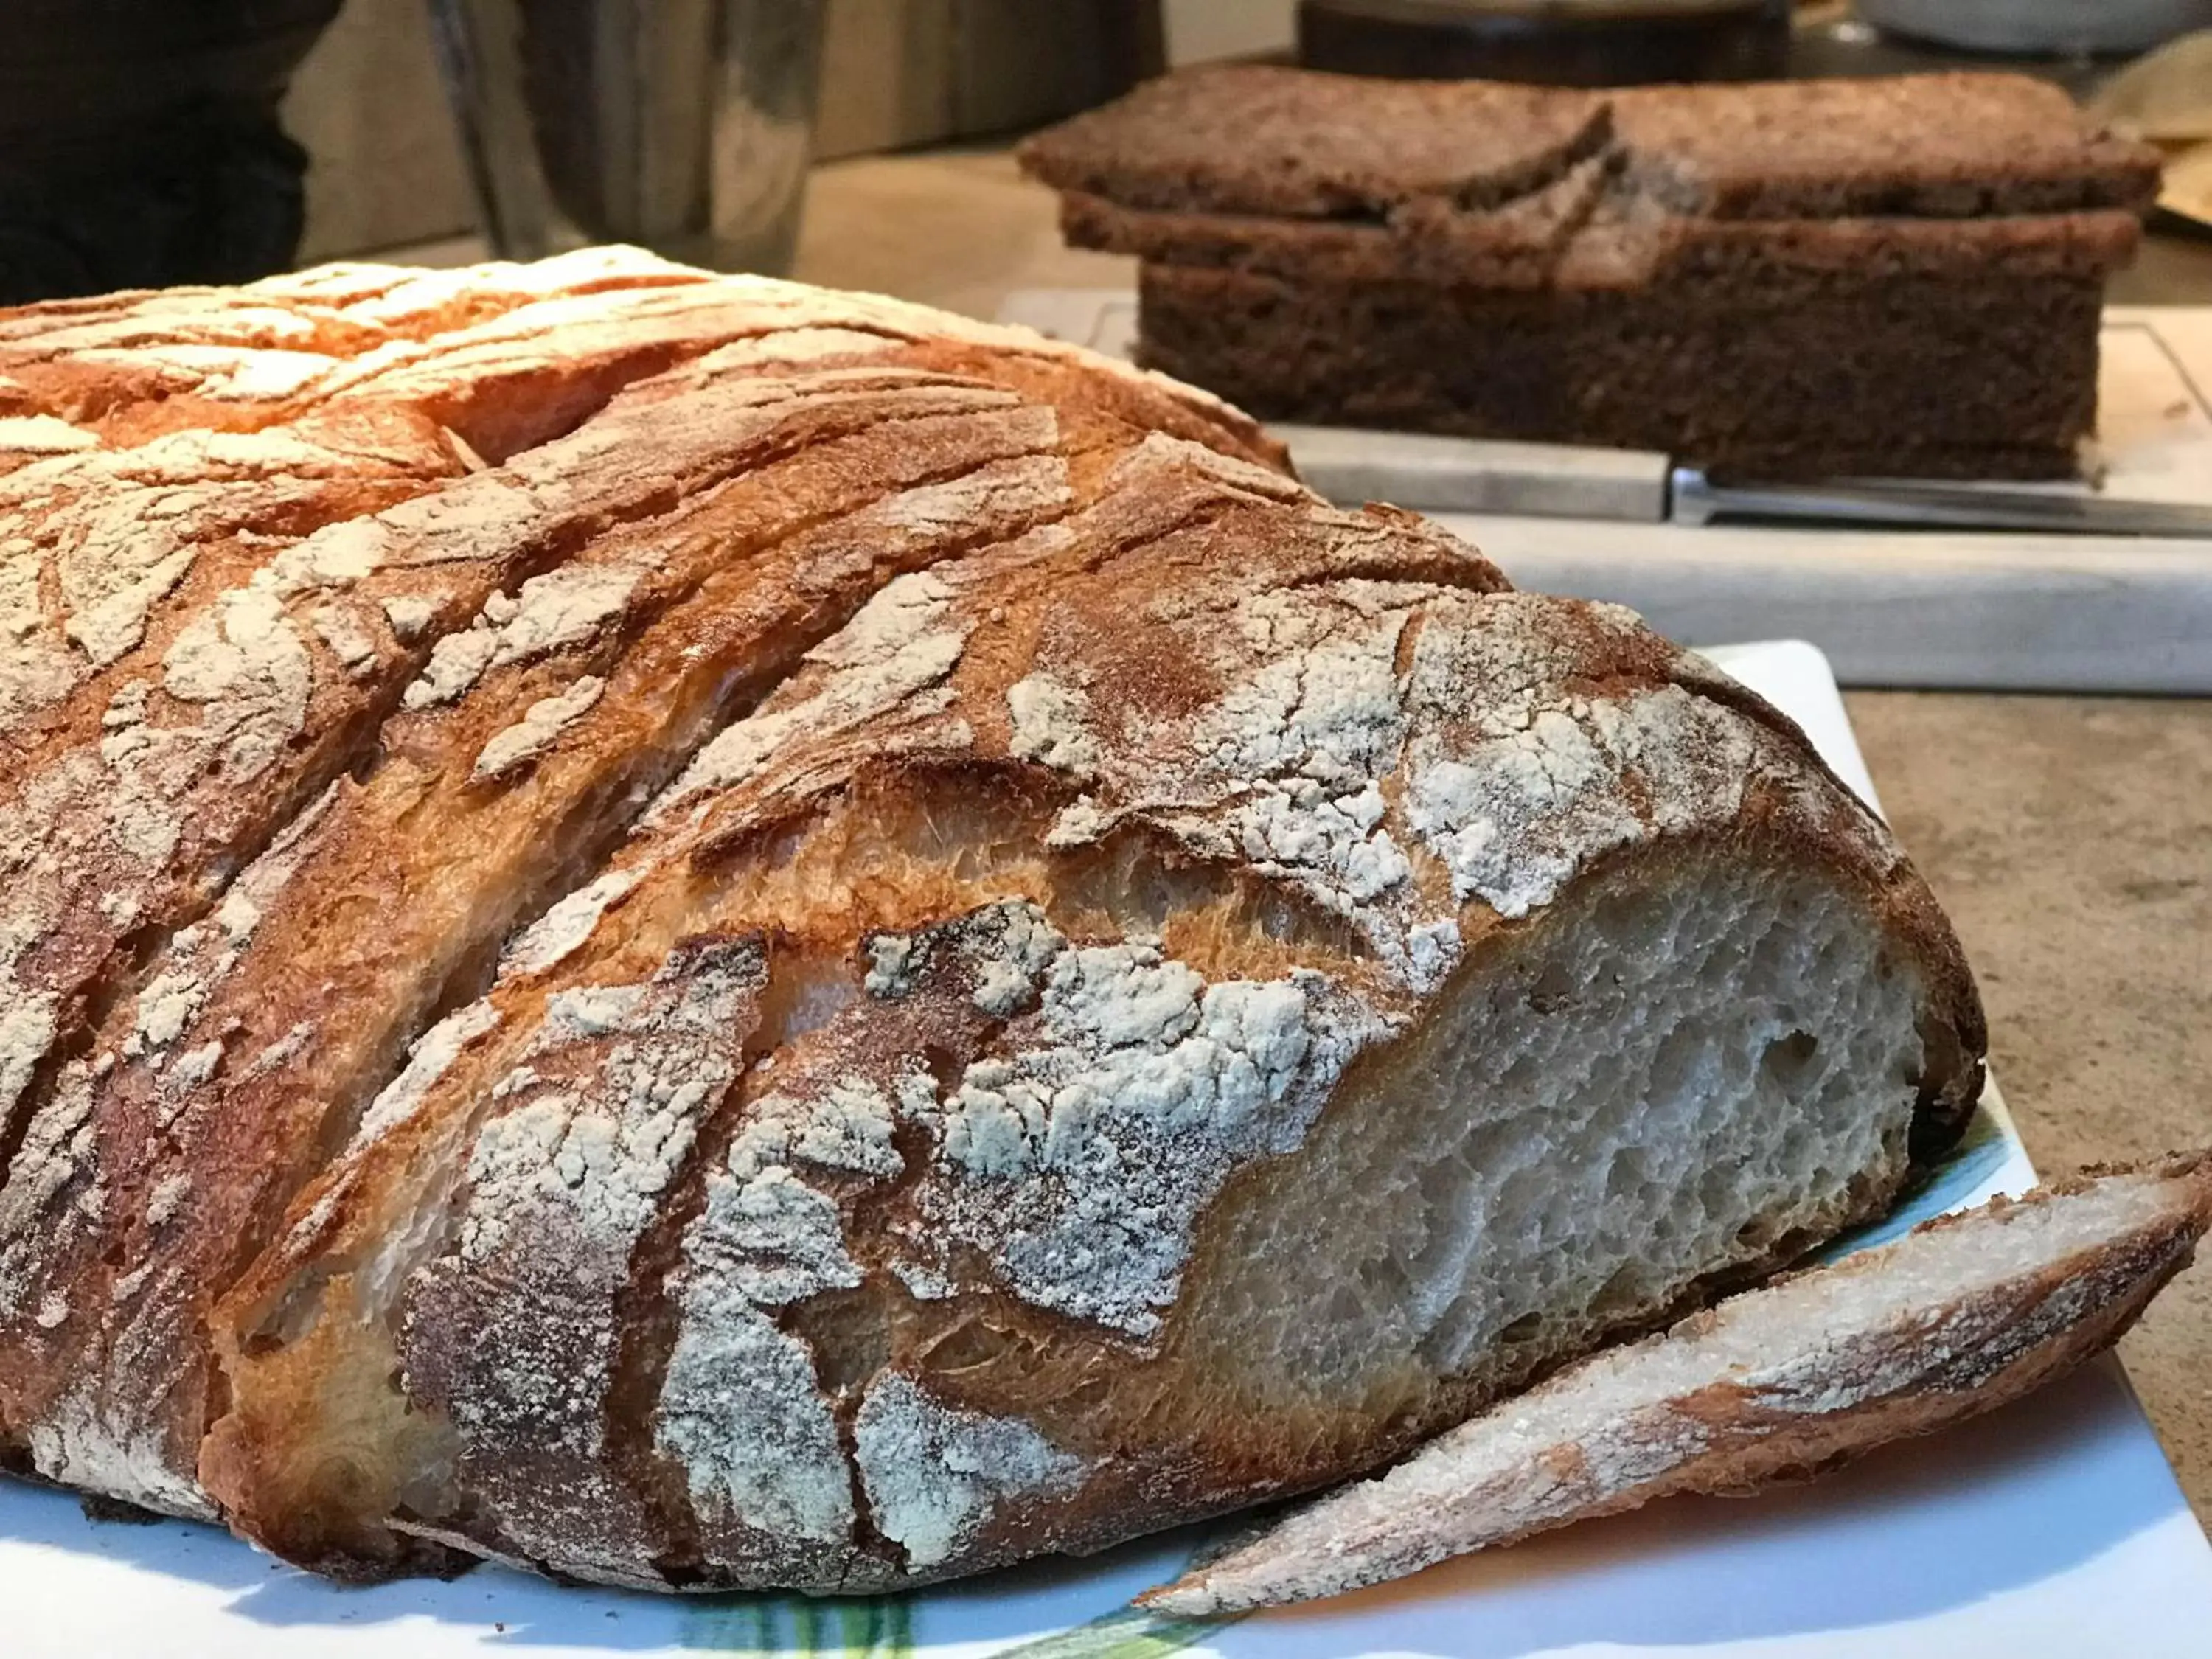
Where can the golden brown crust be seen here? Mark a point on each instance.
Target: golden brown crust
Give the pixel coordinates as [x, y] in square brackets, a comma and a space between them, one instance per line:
[823, 820]
[886, 725]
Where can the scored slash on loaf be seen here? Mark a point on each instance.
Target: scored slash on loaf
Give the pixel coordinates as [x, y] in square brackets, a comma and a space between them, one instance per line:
[703, 935]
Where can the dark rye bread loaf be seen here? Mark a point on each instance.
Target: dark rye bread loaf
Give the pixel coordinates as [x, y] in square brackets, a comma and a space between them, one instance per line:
[1796, 278]
[700, 934]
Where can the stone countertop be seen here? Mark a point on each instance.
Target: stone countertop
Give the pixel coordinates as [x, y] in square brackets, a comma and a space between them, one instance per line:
[2069, 837]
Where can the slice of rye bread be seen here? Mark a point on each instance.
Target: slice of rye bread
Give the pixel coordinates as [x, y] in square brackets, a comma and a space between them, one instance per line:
[1261, 140]
[1819, 200]
[1589, 232]
[1952, 146]
[1965, 1314]
[1253, 139]
[1810, 377]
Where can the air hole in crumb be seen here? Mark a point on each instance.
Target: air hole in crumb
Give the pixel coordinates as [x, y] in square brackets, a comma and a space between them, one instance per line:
[1625, 1291]
[1787, 1058]
[1759, 1230]
[1554, 989]
[1627, 1175]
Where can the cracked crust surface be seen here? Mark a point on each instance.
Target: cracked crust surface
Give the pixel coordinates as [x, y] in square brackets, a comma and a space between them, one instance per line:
[676, 993]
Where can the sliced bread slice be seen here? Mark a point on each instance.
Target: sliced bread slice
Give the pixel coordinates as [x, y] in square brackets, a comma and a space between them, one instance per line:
[1963, 1313]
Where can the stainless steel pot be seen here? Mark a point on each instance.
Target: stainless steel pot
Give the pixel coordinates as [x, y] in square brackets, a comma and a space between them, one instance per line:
[678, 125]
[2041, 26]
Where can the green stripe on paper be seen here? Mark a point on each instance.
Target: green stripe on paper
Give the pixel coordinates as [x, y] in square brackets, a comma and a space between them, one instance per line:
[800, 1627]
[1125, 1633]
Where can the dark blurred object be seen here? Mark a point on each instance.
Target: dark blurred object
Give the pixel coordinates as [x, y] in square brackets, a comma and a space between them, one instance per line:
[139, 142]
[681, 125]
[1569, 43]
[897, 73]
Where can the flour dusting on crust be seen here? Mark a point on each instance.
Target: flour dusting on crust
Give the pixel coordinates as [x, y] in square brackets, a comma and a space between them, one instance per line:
[905, 640]
[744, 1414]
[428, 1058]
[516, 746]
[564, 928]
[586, 1135]
[935, 1476]
[1078, 1155]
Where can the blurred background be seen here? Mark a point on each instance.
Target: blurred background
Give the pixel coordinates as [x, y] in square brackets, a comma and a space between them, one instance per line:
[386, 166]
[147, 141]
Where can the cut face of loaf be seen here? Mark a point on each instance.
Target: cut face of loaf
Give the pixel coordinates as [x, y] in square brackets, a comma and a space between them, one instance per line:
[944, 965]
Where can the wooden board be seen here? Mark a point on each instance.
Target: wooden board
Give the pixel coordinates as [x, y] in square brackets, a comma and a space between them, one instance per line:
[1991, 610]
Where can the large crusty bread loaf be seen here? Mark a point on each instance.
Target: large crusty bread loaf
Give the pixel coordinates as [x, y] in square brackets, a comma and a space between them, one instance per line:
[1964, 1314]
[700, 934]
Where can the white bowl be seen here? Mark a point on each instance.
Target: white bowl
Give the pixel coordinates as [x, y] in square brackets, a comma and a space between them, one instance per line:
[2041, 26]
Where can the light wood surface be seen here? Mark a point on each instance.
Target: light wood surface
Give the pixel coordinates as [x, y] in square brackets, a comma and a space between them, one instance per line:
[2071, 837]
